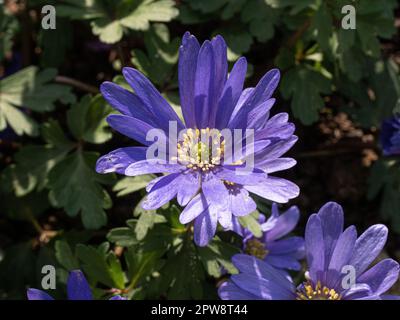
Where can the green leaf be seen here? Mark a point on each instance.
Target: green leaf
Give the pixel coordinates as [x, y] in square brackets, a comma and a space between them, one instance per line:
[129, 185]
[184, 274]
[141, 264]
[75, 186]
[148, 11]
[261, 19]
[87, 119]
[8, 28]
[100, 266]
[161, 57]
[65, 256]
[55, 43]
[216, 255]
[238, 40]
[251, 222]
[305, 87]
[146, 221]
[34, 162]
[108, 31]
[322, 24]
[77, 9]
[30, 89]
[124, 237]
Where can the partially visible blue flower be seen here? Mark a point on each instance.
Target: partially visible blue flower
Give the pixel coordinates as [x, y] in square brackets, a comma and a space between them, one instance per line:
[77, 289]
[273, 246]
[390, 136]
[330, 253]
[207, 185]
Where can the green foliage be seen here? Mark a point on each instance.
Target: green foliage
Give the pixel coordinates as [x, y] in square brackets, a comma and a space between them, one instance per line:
[126, 15]
[385, 181]
[59, 211]
[29, 89]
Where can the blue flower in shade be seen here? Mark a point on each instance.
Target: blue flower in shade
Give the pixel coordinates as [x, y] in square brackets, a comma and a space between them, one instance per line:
[273, 247]
[77, 289]
[205, 183]
[331, 253]
[390, 136]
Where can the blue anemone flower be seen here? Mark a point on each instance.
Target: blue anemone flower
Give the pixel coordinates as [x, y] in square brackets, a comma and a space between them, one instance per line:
[77, 289]
[205, 183]
[390, 136]
[273, 246]
[337, 266]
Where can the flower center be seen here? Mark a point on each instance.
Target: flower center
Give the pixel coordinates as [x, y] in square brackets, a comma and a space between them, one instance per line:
[256, 248]
[201, 149]
[319, 292]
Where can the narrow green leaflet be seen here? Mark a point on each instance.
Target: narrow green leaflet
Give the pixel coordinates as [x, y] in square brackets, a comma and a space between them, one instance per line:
[129, 185]
[146, 221]
[76, 187]
[251, 222]
[124, 236]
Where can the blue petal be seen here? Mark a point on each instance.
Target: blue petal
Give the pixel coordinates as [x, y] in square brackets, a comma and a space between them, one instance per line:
[189, 185]
[315, 249]
[151, 166]
[205, 226]
[132, 128]
[204, 88]
[331, 217]
[382, 276]
[188, 53]
[127, 103]
[276, 189]
[163, 191]
[119, 159]
[151, 98]
[284, 224]
[117, 297]
[221, 69]
[231, 93]
[262, 92]
[368, 246]
[241, 203]
[35, 294]
[77, 286]
[194, 208]
[229, 291]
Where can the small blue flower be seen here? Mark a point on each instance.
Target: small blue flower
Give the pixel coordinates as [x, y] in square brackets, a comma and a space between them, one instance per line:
[77, 289]
[205, 183]
[273, 246]
[329, 251]
[390, 136]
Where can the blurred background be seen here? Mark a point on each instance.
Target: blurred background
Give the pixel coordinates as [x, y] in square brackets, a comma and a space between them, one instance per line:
[340, 82]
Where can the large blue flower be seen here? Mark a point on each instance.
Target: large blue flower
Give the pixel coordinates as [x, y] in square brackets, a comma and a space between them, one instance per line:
[337, 266]
[77, 289]
[390, 136]
[273, 246]
[205, 182]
